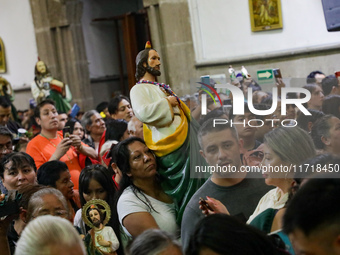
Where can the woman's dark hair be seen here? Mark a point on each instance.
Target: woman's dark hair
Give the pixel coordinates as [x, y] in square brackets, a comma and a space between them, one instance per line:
[122, 156]
[17, 159]
[222, 234]
[112, 156]
[303, 120]
[114, 102]
[49, 172]
[102, 106]
[115, 129]
[331, 105]
[321, 129]
[100, 174]
[70, 123]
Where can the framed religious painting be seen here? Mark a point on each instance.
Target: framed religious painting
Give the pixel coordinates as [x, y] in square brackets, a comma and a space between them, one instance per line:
[265, 15]
[2, 57]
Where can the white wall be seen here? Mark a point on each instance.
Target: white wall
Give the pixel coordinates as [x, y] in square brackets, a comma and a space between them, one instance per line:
[17, 33]
[222, 31]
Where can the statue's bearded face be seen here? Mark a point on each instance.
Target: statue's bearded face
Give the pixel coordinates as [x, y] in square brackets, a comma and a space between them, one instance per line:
[95, 217]
[154, 64]
[41, 67]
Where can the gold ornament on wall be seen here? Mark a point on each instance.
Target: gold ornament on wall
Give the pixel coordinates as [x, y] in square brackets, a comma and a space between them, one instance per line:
[265, 15]
[2, 57]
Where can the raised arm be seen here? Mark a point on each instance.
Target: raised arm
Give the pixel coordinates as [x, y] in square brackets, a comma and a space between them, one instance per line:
[61, 149]
[82, 148]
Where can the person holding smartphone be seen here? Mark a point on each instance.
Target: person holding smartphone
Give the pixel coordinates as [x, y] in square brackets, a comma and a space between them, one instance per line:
[74, 127]
[51, 145]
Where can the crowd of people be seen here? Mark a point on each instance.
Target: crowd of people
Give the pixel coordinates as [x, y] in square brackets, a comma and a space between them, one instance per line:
[122, 179]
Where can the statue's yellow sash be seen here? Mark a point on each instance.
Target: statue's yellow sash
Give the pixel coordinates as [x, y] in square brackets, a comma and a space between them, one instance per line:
[172, 142]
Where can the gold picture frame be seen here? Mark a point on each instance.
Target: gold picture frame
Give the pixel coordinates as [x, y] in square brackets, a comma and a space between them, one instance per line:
[100, 205]
[265, 15]
[2, 57]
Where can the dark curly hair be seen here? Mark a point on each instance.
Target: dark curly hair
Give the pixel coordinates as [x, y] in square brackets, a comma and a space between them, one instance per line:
[141, 58]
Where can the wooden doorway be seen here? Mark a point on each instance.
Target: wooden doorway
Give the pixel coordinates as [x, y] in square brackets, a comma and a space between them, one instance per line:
[131, 32]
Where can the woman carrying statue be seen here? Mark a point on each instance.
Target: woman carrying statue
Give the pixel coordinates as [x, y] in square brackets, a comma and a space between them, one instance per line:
[45, 86]
[166, 129]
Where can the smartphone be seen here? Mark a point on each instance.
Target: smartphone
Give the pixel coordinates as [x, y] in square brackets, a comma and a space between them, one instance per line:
[74, 111]
[205, 204]
[277, 73]
[66, 131]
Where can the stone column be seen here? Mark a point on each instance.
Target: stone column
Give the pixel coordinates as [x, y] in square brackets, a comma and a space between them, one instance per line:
[172, 37]
[60, 42]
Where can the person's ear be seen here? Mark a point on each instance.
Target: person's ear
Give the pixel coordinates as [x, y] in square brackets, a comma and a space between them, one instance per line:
[38, 121]
[145, 65]
[309, 126]
[202, 154]
[334, 90]
[326, 140]
[23, 215]
[114, 167]
[88, 128]
[240, 144]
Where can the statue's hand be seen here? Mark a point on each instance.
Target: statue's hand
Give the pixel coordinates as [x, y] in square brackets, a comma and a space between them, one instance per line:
[173, 101]
[103, 243]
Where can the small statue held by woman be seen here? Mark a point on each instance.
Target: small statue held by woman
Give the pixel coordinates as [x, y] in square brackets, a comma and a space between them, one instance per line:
[100, 239]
